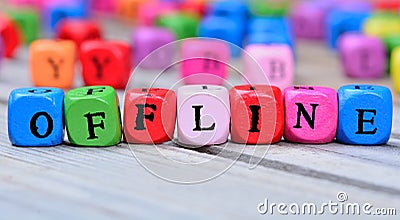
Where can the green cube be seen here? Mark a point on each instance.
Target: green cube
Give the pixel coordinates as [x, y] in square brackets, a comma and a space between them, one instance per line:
[27, 21]
[391, 42]
[183, 25]
[92, 116]
[274, 8]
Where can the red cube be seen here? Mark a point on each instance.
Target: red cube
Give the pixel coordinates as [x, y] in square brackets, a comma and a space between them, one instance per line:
[106, 63]
[257, 114]
[149, 115]
[387, 5]
[196, 7]
[11, 36]
[78, 30]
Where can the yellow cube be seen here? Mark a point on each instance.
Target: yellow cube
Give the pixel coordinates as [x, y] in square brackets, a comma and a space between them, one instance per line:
[395, 68]
[382, 25]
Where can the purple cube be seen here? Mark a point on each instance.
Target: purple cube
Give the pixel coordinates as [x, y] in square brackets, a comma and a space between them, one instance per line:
[362, 56]
[148, 39]
[354, 5]
[308, 21]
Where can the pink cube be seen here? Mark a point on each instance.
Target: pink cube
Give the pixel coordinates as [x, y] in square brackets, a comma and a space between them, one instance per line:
[203, 113]
[148, 39]
[204, 61]
[108, 6]
[33, 3]
[311, 114]
[362, 56]
[308, 21]
[149, 11]
[269, 64]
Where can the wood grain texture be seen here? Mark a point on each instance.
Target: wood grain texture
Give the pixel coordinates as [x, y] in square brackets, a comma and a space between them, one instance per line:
[66, 182]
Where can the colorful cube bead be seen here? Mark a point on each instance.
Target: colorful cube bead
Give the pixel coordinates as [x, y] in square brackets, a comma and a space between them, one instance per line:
[203, 115]
[342, 21]
[1, 50]
[196, 7]
[327, 5]
[108, 6]
[27, 3]
[311, 114]
[55, 11]
[236, 11]
[204, 61]
[11, 37]
[270, 39]
[387, 5]
[149, 11]
[148, 39]
[269, 7]
[362, 56]
[183, 25]
[78, 30]
[106, 63]
[308, 21]
[128, 9]
[365, 115]
[391, 42]
[272, 25]
[269, 64]
[395, 68]
[52, 63]
[270, 31]
[225, 29]
[27, 21]
[382, 25]
[35, 117]
[353, 5]
[92, 116]
[257, 114]
[149, 115]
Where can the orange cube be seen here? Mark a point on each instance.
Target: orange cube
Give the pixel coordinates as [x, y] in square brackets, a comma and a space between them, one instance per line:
[129, 8]
[52, 63]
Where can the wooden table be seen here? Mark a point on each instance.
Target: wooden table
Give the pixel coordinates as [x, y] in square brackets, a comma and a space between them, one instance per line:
[66, 182]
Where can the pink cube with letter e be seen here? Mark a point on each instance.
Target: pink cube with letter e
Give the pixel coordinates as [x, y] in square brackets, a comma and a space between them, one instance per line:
[311, 114]
[203, 115]
[204, 61]
[362, 56]
[269, 64]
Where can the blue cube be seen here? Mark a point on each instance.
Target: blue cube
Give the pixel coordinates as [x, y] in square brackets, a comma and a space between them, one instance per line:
[365, 115]
[342, 21]
[54, 12]
[236, 10]
[269, 38]
[224, 29]
[270, 25]
[270, 30]
[35, 117]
